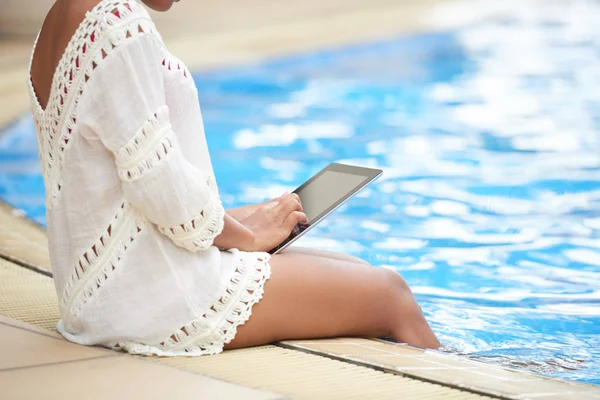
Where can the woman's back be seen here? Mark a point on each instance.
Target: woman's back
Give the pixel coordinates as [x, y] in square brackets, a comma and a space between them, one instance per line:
[60, 24]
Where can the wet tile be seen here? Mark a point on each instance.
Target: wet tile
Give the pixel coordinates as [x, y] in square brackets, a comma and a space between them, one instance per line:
[23, 348]
[563, 396]
[531, 388]
[355, 346]
[340, 340]
[550, 386]
[505, 388]
[403, 349]
[497, 373]
[373, 343]
[468, 378]
[120, 377]
[399, 362]
[452, 361]
[340, 348]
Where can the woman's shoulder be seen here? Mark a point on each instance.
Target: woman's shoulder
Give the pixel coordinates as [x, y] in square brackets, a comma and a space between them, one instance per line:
[114, 37]
[113, 21]
[107, 29]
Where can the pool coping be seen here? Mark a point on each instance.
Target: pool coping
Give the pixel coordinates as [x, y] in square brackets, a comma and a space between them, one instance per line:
[23, 241]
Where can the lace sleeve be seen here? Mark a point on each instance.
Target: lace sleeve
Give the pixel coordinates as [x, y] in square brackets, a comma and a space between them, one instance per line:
[124, 106]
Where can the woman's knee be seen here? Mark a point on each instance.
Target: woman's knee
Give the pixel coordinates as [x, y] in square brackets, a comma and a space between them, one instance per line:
[393, 284]
[397, 296]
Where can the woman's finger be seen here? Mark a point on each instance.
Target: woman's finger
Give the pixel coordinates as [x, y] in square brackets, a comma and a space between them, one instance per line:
[294, 195]
[289, 204]
[295, 218]
[282, 196]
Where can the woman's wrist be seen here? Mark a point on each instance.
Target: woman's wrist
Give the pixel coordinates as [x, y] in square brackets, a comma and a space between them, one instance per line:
[235, 213]
[250, 240]
[235, 235]
[243, 212]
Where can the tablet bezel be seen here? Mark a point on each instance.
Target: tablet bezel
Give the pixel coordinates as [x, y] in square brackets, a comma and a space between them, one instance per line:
[370, 175]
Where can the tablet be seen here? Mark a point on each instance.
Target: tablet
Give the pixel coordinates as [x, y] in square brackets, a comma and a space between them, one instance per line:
[325, 192]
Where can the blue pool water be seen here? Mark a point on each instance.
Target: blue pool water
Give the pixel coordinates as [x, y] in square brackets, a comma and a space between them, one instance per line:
[489, 137]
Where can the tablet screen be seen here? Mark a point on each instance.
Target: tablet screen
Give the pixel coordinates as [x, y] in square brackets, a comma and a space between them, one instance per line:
[326, 190]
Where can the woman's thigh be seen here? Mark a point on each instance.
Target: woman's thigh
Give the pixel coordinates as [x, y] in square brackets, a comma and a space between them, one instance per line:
[313, 297]
[323, 253]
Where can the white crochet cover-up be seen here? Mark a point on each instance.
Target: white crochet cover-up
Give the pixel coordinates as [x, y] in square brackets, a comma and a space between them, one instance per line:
[132, 203]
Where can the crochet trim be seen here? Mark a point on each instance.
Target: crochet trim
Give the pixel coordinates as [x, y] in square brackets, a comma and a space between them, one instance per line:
[218, 326]
[199, 233]
[153, 142]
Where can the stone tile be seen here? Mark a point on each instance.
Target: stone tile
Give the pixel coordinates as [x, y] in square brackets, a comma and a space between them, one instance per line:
[4, 320]
[497, 373]
[407, 350]
[28, 296]
[22, 240]
[366, 342]
[454, 361]
[119, 377]
[21, 347]
[455, 376]
[524, 388]
[550, 386]
[341, 349]
[398, 362]
[355, 346]
[564, 396]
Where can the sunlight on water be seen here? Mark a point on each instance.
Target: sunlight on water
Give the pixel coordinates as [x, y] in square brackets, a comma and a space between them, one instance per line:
[489, 137]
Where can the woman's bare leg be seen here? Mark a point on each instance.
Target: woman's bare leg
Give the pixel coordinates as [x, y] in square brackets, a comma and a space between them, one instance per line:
[315, 297]
[324, 253]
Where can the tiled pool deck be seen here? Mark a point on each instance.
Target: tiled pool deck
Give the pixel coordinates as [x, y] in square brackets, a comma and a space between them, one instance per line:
[35, 362]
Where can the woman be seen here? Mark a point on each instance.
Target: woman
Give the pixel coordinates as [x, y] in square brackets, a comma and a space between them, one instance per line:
[145, 259]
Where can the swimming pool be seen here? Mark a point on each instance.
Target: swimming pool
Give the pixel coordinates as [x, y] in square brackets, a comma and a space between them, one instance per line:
[490, 201]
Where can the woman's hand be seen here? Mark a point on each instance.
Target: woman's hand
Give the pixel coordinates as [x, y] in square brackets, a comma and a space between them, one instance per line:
[273, 221]
[243, 212]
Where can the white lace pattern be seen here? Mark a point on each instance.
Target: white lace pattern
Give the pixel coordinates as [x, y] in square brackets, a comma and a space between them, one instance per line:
[97, 258]
[218, 326]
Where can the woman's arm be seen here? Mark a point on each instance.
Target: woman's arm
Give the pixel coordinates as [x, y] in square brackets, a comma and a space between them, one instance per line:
[125, 108]
[265, 228]
[243, 212]
[234, 235]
